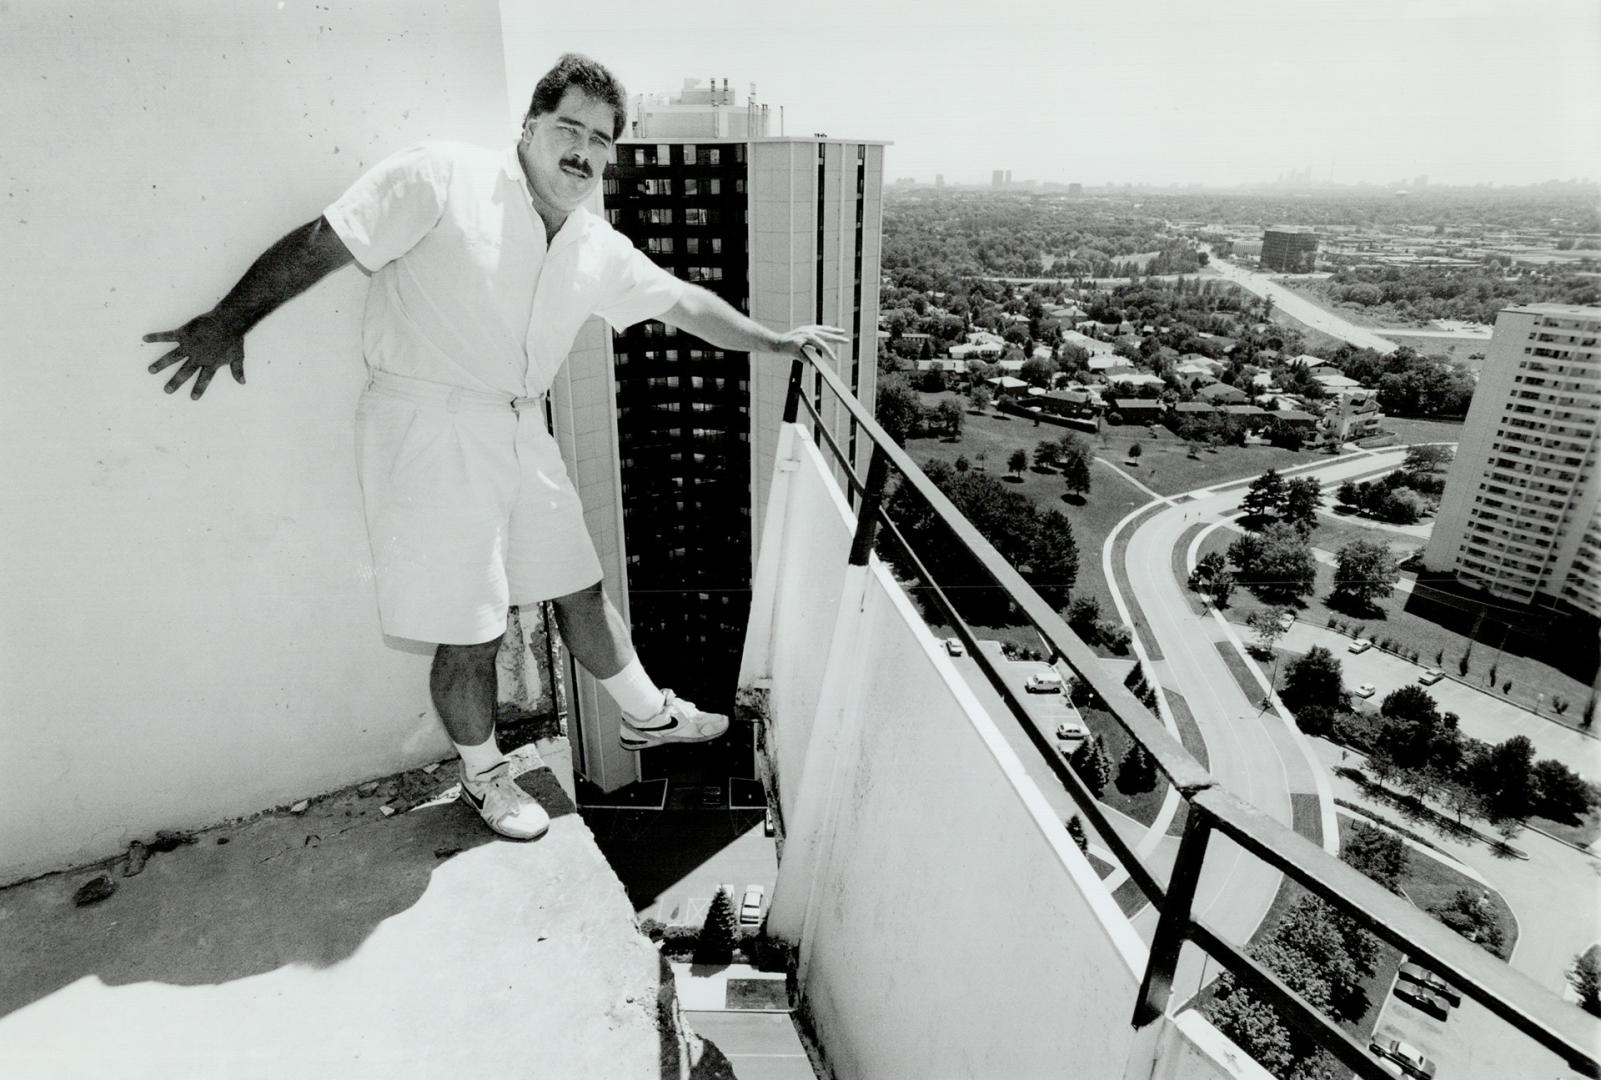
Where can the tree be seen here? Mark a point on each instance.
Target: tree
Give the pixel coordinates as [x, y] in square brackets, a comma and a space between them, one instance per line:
[1017, 462]
[1283, 569]
[1585, 978]
[1136, 772]
[1075, 829]
[1053, 559]
[1264, 622]
[1427, 459]
[979, 397]
[1045, 454]
[1206, 568]
[1379, 854]
[1315, 679]
[1505, 776]
[1082, 615]
[961, 463]
[1348, 494]
[1134, 451]
[1073, 456]
[1469, 914]
[1092, 764]
[1265, 495]
[1559, 791]
[1220, 588]
[720, 932]
[1303, 498]
[951, 417]
[898, 410]
[1366, 572]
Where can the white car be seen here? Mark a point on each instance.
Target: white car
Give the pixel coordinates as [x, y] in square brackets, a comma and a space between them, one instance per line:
[1366, 690]
[954, 647]
[1360, 645]
[1409, 1057]
[1044, 682]
[1071, 731]
[1431, 676]
[750, 909]
[1286, 620]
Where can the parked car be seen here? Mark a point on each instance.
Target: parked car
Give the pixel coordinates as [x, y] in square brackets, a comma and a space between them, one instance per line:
[954, 647]
[1423, 998]
[1071, 731]
[750, 909]
[1431, 676]
[1044, 682]
[769, 826]
[1409, 1057]
[1423, 976]
[1286, 619]
[1366, 690]
[1361, 644]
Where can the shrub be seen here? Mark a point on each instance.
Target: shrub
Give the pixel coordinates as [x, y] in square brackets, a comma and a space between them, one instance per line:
[1560, 704]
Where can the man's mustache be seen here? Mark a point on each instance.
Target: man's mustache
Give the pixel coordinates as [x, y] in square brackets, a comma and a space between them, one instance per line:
[580, 164]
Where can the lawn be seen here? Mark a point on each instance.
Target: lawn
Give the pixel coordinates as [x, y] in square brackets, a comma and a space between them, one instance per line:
[1332, 534]
[1582, 832]
[1139, 805]
[1424, 431]
[1165, 466]
[987, 441]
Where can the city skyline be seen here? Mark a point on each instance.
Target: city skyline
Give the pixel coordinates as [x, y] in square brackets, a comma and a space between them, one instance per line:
[1154, 92]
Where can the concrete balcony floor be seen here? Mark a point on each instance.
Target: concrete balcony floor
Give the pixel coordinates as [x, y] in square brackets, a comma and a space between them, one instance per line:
[343, 942]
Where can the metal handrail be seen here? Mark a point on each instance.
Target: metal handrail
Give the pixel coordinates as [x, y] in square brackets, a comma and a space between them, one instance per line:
[1510, 995]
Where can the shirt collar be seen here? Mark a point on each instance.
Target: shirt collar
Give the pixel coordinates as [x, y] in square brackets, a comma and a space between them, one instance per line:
[577, 222]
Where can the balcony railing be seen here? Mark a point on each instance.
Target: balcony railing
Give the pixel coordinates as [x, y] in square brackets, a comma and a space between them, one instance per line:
[1520, 1002]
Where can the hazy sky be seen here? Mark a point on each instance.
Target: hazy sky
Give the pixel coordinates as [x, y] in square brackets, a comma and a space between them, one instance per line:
[1157, 91]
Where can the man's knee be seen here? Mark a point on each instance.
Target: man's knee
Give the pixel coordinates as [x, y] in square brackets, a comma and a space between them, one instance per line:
[465, 656]
[580, 603]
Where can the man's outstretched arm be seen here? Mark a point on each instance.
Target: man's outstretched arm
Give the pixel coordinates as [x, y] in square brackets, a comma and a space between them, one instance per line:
[217, 338]
[711, 318]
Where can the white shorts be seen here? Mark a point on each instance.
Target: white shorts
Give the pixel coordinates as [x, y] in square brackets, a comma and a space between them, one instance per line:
[469, 509]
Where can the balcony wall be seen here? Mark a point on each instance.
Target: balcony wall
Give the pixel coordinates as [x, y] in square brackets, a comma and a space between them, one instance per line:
[945, 923]
[190, 632]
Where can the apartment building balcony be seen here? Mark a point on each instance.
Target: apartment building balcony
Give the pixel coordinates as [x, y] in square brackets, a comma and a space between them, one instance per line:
[943, 922]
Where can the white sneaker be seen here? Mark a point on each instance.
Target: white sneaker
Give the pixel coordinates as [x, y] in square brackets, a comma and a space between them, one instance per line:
[504, 806]
[679, 721]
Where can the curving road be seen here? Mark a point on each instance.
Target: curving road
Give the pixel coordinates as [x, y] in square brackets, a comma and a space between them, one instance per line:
[1255, 753]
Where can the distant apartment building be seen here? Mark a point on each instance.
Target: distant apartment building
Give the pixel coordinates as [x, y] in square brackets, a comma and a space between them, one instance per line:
[787, 230]
[1291, 250]
[1519, 518]
[998, 178]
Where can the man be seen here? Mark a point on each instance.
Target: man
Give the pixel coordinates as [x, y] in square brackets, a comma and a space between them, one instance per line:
[484, 265]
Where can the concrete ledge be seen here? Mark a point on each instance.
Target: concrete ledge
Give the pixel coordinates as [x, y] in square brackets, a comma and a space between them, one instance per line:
[340, 942]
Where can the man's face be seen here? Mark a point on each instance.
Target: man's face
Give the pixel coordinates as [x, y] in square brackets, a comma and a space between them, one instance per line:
[564, 152]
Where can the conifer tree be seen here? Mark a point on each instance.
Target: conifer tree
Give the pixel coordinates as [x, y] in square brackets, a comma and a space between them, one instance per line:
[721, 930]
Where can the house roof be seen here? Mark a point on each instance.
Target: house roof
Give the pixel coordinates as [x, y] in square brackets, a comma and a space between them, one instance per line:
[1194, 407]
[1244, 410]
[1294, 414]
[1137, 403]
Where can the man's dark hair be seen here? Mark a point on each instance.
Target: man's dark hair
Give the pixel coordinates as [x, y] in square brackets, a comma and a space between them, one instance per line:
[587, 75]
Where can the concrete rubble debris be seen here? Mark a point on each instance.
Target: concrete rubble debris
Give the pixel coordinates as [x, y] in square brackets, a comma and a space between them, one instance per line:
[367, 789]
[137, 854]
[386, 811]
[94, 890]
[300, 807]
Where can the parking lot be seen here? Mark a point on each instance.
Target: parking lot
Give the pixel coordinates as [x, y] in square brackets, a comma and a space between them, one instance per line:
[1481, 1057]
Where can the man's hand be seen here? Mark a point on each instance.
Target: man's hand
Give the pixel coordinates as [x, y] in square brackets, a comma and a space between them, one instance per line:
[201, 345]
[816, 337]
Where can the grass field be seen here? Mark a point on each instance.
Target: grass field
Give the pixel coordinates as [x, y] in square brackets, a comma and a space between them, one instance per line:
[1332, 534]
[1420, 431]
[987, 441]
[1165, 466]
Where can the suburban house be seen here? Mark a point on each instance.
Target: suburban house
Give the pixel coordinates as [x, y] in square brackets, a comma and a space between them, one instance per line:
[1223, 394]
[1007, 386]
[1138, 410]
[1294, 418]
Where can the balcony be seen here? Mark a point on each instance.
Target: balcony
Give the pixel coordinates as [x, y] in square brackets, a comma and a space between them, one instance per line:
[944, 922]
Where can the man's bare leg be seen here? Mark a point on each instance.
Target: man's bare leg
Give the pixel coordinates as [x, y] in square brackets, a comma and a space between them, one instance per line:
[598, 639]
[463, 685]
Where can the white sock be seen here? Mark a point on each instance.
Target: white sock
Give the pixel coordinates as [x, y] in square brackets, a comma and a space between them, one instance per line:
[477, 760]
[634, 692]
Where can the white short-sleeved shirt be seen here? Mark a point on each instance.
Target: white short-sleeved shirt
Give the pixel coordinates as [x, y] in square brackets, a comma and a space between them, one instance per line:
[465, 290]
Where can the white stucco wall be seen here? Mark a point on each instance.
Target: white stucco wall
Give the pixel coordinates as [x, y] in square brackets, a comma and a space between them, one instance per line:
[188, 631]
[946, 924]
